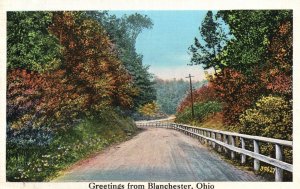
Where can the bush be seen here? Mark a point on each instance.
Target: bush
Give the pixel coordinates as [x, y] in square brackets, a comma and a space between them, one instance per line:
[202, 111]
[149, 111]
[271, 117]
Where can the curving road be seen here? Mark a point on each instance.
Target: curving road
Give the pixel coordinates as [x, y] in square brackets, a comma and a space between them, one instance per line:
[156, 154]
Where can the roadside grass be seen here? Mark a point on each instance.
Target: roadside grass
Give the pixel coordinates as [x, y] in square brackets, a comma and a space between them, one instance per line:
[66, 148]
[212, 121]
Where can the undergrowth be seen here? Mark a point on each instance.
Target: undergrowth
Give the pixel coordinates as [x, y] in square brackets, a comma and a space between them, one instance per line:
[35, 163]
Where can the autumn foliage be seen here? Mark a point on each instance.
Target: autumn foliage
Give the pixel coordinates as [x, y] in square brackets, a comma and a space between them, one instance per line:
[89, 79]
[206, 104]
[90, 62]
[65, 80]
[254, 79]
[203, 94]
[279, 69]
[236, 91]
[150, 109]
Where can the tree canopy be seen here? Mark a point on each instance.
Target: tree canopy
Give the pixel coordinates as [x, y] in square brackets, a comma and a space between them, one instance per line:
[213, 39]
[123, 33]
[254, 66]
[29, 43]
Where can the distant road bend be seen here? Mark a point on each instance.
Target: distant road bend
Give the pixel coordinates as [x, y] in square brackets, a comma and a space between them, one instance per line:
[156, 154]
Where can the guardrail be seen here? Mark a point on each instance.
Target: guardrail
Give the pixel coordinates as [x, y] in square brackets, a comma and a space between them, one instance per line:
[227, 141]
[154, 124]
[156, 121]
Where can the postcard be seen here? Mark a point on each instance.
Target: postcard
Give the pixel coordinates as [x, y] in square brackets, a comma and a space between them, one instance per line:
[149, 94]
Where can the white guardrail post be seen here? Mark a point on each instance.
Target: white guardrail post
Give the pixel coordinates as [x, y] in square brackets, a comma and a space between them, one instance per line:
[220, 139]
[256, 150]
[225, 139]
[213, 137]
[232, 141]
[243, 157]
[278, 171]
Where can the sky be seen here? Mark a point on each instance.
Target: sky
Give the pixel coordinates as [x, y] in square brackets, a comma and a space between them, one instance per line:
[165, 46]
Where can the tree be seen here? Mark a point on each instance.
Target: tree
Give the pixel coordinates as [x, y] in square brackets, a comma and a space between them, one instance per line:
[123, 33]
[88, 84]
[90, 62]
[37, 100]
[149, 109]
[237, 92]
[278, 71]
[29, 44]
[169, 94]
[252, 32]
[213, 39]
[136, 23]
[258, 60]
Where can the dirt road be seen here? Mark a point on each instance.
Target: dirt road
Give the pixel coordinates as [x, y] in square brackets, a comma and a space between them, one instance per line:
[157, 154]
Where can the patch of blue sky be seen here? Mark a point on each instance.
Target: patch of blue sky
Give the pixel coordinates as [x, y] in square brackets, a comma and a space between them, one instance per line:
[165, 46]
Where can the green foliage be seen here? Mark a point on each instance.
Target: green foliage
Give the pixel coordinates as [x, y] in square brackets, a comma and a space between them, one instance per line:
[123, 33]
[46, 100]
[213, 39]
[202, 112]
[254, 76]
[252, 31]
[90, 79]
[257, 60]
[271, 117]
[136, 23]
[40, 163]
[170, 92]
[29, 44]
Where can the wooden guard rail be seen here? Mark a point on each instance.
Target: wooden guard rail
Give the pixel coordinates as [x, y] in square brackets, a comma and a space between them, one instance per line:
[154, 124]
[227, 141]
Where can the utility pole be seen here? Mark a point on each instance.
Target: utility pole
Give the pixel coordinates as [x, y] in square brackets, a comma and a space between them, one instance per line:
[192, 100]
